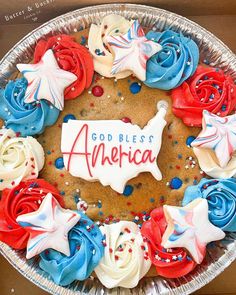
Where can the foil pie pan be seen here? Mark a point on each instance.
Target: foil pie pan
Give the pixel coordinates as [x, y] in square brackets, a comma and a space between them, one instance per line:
[212, 52]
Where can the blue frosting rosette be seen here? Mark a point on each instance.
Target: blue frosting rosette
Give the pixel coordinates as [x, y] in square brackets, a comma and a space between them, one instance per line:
[221, 197]
[175, 63]
[86, 251]
[25, 118]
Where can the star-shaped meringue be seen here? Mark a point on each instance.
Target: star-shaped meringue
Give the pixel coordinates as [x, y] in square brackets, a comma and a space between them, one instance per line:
[189, 227]
[48, 227]
[132, 50]
[218, 134]
[46, 80]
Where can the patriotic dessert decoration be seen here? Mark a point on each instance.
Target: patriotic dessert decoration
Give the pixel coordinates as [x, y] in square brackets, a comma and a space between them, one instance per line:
[98, 154]
[46, 80]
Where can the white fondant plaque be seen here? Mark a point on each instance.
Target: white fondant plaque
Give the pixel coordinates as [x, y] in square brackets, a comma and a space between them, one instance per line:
[112, 151]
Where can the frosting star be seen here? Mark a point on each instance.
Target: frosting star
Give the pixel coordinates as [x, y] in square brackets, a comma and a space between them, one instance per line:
[218, 134]
[132, 50]
[189, 227]
[48, 227]
[46, 80]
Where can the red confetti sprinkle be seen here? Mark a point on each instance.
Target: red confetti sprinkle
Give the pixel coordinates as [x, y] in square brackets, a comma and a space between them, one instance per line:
[91, 104]
[116, 257]
[169, 136]
[127, 230]
[62, 175]
[110, 250]
[130, 250]
[177, 167]
[50, 163]
[126, 120]
[97, 91]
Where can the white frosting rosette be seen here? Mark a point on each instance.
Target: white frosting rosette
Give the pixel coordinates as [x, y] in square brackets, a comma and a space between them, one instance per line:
[210, 165]
[125, 259]
[20, 158]
[112, 25]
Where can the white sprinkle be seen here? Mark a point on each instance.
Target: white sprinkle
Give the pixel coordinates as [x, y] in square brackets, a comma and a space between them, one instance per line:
[77, 190]
[219, 189]
[59, 38]
[188, 63]
[186, 167]
[178, 50]
[51, 107]
[154, 28]
[32, 127]
[41, 191]
[102, 77]
[122, 98]
[6, 109]
[158, 257]
[167, 184]
[218, 114]
[168, 52]
[172, 37]
[192, 166]
[167, 260]
[39, 202]
[89, 92]
[9, 113]
[232, 90]
[72, 88]
[115, 80]
[136, 218]
[12, 290]
[152, 39]
[190, 158]
[75, 30]
[201, 172]
[66, 183]
[94, 251]
[108, 96]
[174, 257]
[179, 256]
[15, 94]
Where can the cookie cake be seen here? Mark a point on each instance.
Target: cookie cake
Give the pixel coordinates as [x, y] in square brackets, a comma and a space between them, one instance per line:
[117, 155]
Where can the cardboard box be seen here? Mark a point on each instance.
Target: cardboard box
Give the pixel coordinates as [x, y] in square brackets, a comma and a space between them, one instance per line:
[18, 17]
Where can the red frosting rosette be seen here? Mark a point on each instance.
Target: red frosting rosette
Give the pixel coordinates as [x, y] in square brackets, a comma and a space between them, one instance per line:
[169, 263]
[71, 57]
[26, 197]
[208, 89]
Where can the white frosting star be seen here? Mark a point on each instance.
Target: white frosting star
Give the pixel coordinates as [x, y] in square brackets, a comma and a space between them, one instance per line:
[189, 227]
[48, 227]
[132, 50]
[46, 80]
[218, 134]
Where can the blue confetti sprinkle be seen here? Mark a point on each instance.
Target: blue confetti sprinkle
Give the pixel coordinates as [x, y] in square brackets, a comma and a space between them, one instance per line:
[176, 183]
[59, 163]
[179, 156]
[69, 117]
[135, 88]
[195, 181]
[152, 200]
[99, 204]
[189, 140]
[76, 198]
[83, 40]
[128, 190]
[100, 213]
[49, 152]
[62, 193]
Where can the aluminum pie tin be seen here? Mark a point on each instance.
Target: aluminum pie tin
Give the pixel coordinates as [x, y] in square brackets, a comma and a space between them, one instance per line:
[213, 52]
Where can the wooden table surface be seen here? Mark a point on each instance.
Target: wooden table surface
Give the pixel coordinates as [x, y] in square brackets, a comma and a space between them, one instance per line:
[11, 282]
